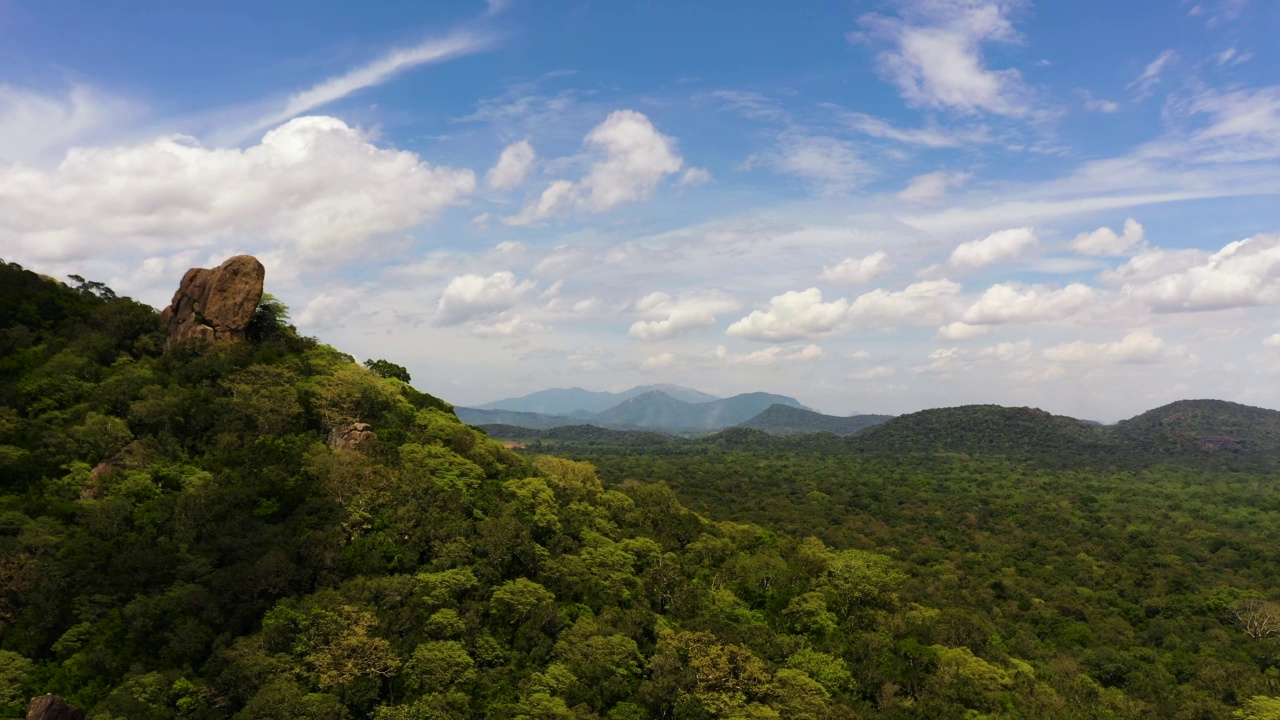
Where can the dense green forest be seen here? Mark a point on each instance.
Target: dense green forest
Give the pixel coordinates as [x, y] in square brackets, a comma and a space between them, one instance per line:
[204, 532]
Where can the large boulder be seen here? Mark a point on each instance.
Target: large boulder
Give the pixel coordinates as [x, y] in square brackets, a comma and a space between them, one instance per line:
[350, 435]
[52, 707]
[215, 304]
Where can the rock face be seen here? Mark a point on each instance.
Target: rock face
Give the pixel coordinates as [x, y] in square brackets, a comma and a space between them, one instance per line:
[215, 304]
[347, 437]
[52, 707]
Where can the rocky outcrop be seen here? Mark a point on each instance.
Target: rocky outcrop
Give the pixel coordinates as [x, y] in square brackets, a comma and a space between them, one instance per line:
[215, 304]
[52, 707]
[349, 436]
[129, 456]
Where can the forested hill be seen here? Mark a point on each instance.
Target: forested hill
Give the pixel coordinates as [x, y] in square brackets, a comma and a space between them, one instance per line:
[262, 528]
[780, 419]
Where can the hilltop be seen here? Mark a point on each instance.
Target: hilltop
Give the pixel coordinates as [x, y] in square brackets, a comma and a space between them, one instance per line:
[781, 419]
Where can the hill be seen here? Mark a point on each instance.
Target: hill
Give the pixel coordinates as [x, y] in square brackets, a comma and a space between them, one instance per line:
[780, 419]
[1208, 430]
[1017, 432]
[582, 404]
[658, 410]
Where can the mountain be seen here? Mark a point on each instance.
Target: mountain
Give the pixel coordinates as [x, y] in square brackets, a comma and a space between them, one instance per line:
[580, 403]
[1205, 429]
[538, 421]
[789, 420]
[1020, 432]
[657, 409]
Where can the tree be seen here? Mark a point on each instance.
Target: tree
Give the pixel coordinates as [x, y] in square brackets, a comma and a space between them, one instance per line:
[1259, 707]
[1258, 618]
[388, 369]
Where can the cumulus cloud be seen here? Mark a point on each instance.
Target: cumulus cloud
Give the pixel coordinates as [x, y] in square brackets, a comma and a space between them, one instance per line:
[1244, 273]
[1272, 341]
[695, 176]
[632, 158]
[1016, 303]
[791, 316]
[1106, 242]
[313, 184]
[514, 163]
[855, 270]
[919, 303]
[932, 187]
[1007, 352]
[963, 331]
[936, 58]
[1140, 346]
[471, 297]
[999, 246]
[679, 315]
[508, 325]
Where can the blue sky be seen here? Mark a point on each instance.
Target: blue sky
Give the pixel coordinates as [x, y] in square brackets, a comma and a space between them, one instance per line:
[872, 206]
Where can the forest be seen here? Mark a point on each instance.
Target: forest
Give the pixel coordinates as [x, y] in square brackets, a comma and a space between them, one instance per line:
[269, 529]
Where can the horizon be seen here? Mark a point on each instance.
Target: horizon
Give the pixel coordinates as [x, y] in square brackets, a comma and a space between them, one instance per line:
[873, 207]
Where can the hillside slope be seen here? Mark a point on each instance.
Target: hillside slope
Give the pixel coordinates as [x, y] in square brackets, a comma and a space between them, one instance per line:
[787, 420]
[658, 410]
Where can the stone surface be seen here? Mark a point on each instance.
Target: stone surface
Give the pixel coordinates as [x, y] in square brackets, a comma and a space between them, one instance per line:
[215, 304]
[347, 437]
[52, 707]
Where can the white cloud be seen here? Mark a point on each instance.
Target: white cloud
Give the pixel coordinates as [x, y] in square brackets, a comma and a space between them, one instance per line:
[932, 187]
[33, 125]
[330, 310]
[375, 73]
[875, 373]
[470, 297]
[1015, 303]
[937, 61]
[929, 137]
[508, 325]
[514, 164]
[1145, 83]
[920, 303]
[1098, 104]
[679, 315]
[855, 270]
[1007, 352]
[1232, 56]
[633, 157]
[1244, 273]
[660, 361]
[695, 176]
[792, 315]
[1137, 347]
[1272, 341]
[774, 355]
[999, 246]
[963, 331]
[313, 184]
[831, 165]
[1105, 242]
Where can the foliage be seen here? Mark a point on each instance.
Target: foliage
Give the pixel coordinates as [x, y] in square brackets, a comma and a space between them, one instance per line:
[178, 540]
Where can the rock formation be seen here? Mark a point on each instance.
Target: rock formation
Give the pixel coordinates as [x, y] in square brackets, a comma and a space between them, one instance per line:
[215, 304]
[52, 707]
[347, 437]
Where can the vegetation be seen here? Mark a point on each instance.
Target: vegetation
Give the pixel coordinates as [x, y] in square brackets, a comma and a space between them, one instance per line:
[180, 538]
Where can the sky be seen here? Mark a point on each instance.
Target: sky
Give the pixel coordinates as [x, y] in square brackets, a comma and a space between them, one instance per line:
[870, 206]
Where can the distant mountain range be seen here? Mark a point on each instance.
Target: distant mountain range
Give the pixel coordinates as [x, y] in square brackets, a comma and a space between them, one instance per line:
[576, 402]
[1187, 433]
[661, 408]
